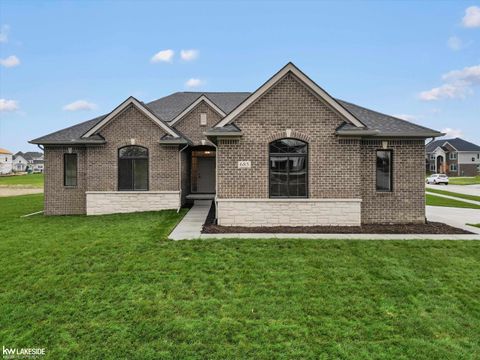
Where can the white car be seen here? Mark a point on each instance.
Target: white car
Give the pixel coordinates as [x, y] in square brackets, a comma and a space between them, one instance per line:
[437, 179]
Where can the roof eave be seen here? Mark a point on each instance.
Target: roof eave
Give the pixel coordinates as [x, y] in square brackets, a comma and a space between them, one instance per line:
[174, 142]
[70, 142]
[377, 133]
[223, 133]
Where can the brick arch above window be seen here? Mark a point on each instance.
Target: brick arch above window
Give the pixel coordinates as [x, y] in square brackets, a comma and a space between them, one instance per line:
[287, 134]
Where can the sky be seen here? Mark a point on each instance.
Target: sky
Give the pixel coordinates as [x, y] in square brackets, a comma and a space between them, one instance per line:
[63, 62]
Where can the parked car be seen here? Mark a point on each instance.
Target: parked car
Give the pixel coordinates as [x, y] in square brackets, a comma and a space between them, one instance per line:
[437, 179]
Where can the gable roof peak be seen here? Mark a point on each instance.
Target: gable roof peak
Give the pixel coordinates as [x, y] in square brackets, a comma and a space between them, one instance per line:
[139, 105]
[309, 83]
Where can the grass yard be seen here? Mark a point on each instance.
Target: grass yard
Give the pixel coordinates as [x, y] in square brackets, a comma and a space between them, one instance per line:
[455, 194]
[476, 225]
[113, 287]
[433, 200]
[464, 180]
[30, 180]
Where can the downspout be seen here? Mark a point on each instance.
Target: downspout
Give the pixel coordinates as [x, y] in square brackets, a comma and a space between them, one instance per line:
[216, 178]
[180, 176]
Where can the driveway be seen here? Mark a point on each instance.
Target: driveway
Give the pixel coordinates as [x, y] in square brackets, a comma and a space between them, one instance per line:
[462, 189]
[456, 217]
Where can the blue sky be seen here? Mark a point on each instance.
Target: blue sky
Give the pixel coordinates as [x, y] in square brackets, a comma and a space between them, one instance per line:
[65, 62]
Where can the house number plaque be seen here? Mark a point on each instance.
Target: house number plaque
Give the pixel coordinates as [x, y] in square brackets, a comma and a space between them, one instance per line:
[244, 164]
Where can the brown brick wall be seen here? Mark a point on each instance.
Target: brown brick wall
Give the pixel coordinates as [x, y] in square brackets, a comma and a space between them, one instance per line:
[97, 166]
[132, 124]
[333, 167]
[406, 203]
[337, 168]
[468, 170]
[61, 200]
[190, 124]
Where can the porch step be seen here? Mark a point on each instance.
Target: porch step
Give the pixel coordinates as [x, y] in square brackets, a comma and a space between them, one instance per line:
[202, 203]
[200, 196]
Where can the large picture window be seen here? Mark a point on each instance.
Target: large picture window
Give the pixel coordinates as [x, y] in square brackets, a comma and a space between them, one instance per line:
[133, 168]
[384, 170]
[70, 169]
[288, 168]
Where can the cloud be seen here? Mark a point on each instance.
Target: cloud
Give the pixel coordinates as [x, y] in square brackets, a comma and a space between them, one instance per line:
[455, 43]
[472, 17]
[8, 105]
[446, 91]
[163, 56]
[4, 30]
[406, 117]
[10, 61]
[80, 105]
[452, 133]
[189, 55]
[458, 85]
[470, 75]
[193, 83]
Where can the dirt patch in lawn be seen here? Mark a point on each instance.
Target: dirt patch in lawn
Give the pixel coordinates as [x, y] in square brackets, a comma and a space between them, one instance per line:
[428, 228]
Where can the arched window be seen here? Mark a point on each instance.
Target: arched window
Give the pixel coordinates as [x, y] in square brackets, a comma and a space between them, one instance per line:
[133, 168]
[288, 168]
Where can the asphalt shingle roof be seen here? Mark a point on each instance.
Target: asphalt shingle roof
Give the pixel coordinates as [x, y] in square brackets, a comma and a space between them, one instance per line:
[457, 143]
[168, 107]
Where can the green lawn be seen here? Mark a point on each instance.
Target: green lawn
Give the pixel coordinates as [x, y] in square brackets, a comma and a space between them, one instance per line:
[476, 225]
[450, 193]
[464, 180]
[113, 287]
[433, 200]
[30, 180]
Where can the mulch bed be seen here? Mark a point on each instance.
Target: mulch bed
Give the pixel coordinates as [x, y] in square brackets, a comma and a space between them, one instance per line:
[428, 228]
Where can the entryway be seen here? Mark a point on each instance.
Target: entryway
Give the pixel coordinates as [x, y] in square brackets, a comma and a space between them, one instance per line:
[203, 170]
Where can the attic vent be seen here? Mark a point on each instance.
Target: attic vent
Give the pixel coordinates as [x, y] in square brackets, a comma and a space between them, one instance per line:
[203, 119]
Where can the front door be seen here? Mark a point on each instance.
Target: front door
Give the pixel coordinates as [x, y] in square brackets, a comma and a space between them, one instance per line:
[206, 175]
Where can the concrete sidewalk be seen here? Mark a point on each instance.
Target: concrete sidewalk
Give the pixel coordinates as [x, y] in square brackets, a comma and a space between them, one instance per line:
[191, 225]
[456, 217]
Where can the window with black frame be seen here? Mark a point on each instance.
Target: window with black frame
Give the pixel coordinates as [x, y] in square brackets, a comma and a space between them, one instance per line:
[70, 169]
[133, 168]
[384, 170]
[288, 168]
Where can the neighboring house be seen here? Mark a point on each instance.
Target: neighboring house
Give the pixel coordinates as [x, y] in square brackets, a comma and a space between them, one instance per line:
[5, 162]
[30, 160]
[286, 154]
[20, 164]
[454, 157]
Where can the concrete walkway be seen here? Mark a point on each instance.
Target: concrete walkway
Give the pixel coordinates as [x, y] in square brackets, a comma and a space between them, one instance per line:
[456, 217]
[191, 225]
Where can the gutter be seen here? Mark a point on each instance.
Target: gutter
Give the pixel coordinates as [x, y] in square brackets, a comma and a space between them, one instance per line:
[72, 142]
[219, 134]
[377, 133]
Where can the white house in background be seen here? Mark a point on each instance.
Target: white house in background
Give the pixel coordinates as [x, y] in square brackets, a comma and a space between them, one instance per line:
[30, 160]
[5, 161]
[20, 164]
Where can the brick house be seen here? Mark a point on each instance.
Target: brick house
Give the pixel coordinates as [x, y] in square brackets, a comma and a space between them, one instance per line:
[454, 157]
[286, 154]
